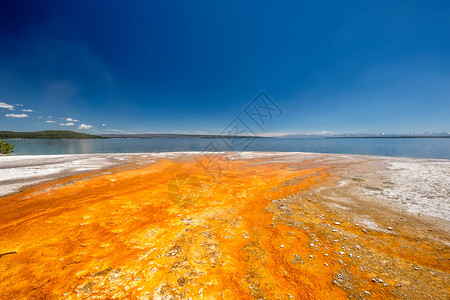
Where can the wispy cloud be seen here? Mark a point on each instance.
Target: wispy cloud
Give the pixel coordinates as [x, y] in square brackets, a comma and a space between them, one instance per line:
[27, 110]
[103, 124]
[67, 124]
[72, 120]
[49, 121]
[84, 126]
[17, 115]
[6, 105]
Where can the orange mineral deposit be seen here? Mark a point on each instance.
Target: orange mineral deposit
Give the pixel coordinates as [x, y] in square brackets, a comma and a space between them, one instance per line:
[170, 230]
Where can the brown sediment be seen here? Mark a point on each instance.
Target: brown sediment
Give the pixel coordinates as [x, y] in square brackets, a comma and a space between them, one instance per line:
[170, 230]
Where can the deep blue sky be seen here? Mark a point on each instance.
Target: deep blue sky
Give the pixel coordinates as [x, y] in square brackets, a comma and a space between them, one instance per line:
[193, 66]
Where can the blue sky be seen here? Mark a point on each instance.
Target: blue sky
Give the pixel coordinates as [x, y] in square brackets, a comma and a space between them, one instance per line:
[193, 66]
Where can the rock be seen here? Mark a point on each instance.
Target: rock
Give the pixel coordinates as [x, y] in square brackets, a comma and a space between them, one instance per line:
[282, 246]
[365, 231]
[367, 292]
[181, 281]
[337, 223]
[86, 288]
[104, 272]
[390, 228]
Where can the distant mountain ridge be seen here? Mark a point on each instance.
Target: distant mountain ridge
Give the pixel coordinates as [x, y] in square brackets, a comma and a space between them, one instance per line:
[67, 134]
[168, 135]
[369, 135]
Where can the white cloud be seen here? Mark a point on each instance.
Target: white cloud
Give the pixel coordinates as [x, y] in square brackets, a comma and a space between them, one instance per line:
[48, 121]
[27, 110]
[84, 126]
[67, 124]
[50, 117]
[17, 115]
[40, 117]
[6, 105]
[71, 120]
[18, 104]
[103, 124]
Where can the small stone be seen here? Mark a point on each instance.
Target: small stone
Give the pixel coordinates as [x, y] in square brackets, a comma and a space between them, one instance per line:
[342, 253]
[337, 223]
[181, 281]
[310, 256]
[416, 268]
[390, 228]
[367, 292]
[374, 280]
[334, 230]
[325, 264]
[282, 246]
[365, 231]
[380, 280]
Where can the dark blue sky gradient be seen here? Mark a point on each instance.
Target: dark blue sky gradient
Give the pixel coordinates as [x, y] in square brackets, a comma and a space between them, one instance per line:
[192, 66]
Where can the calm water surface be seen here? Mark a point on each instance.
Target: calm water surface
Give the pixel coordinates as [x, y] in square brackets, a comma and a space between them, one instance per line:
[403, 147]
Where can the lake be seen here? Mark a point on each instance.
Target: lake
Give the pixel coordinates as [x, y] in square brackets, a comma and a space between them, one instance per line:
[401, 147]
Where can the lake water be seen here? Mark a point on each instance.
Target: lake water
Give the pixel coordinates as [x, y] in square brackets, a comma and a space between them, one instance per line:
[402, 147]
